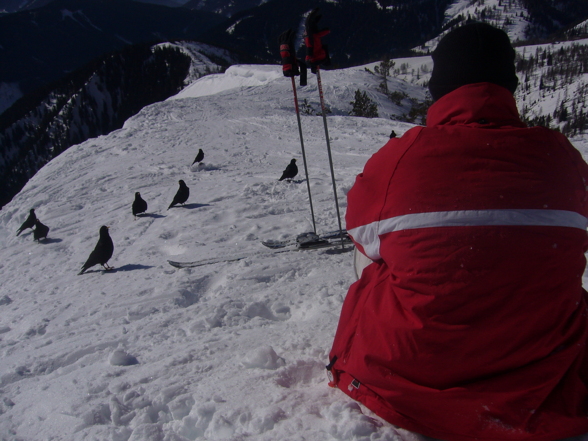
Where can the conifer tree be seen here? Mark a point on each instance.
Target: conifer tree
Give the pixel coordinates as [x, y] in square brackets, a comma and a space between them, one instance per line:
[363, 105]
[383, 69]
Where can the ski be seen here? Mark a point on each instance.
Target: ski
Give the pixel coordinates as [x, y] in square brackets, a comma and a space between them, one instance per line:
[284, 249]
[214, 260]
[310, 240]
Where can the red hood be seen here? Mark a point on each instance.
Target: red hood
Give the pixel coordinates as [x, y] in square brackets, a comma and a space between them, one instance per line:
[479, 104]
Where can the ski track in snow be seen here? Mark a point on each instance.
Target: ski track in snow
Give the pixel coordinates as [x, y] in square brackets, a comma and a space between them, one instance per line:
[230, 351]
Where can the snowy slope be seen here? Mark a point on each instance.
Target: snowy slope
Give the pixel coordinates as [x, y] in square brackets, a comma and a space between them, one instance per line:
[510, 16]
[540, 92]
[231, 351]
[227, 351]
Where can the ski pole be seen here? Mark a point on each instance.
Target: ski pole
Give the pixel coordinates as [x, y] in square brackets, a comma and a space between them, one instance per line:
[292, 67]
[320, 88]
[303, 152]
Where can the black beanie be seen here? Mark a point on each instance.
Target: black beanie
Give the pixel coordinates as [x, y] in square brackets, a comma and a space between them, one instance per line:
[473, 53]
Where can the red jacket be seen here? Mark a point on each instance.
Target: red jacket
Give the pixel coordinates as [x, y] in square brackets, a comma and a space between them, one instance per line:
[471, 324]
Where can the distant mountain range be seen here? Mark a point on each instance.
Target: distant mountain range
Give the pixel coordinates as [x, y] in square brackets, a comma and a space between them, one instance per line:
[226, 8]
[48, 39]
[93, 101]
[61, 60]
[361, 31]
[223, 7]
[10, 6]
[42, 45]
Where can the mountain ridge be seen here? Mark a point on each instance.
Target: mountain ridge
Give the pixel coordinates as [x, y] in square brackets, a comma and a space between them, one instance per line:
[253, 34]
[44, 44]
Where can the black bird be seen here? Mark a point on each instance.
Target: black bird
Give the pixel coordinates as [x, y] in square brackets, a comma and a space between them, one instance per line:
[29, 223]
[139, 205]
[199, 157]
[290, 171]
[181, 196]
[41, 231]
[102, 252]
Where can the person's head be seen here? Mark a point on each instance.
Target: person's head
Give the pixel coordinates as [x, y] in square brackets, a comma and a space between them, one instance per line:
[473, 53]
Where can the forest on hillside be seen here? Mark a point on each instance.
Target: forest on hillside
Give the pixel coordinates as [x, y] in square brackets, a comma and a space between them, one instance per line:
[556, 73]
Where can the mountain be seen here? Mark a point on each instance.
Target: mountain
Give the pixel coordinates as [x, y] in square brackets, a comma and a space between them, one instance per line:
[576, 32]
[10, 6]
[62, 106]
[550, 16]
[230, 351]
[44, 44]
[361, 31]
[226, 8]
[94, 101]
[41, 45]
[524, 21]
[510, 16]
[223, 7]
[366, 31]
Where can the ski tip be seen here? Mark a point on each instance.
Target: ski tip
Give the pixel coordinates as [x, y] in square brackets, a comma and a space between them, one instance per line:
[274, 243]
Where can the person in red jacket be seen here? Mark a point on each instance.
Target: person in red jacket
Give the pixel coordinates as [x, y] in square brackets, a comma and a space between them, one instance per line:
[471, 323]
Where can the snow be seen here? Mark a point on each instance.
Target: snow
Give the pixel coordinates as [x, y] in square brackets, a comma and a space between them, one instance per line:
[509, 15]
[542, 102]
[238, 76]
[229, 351]
[200, 55]
[231, 29]
[226, 351]
[65, 13]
